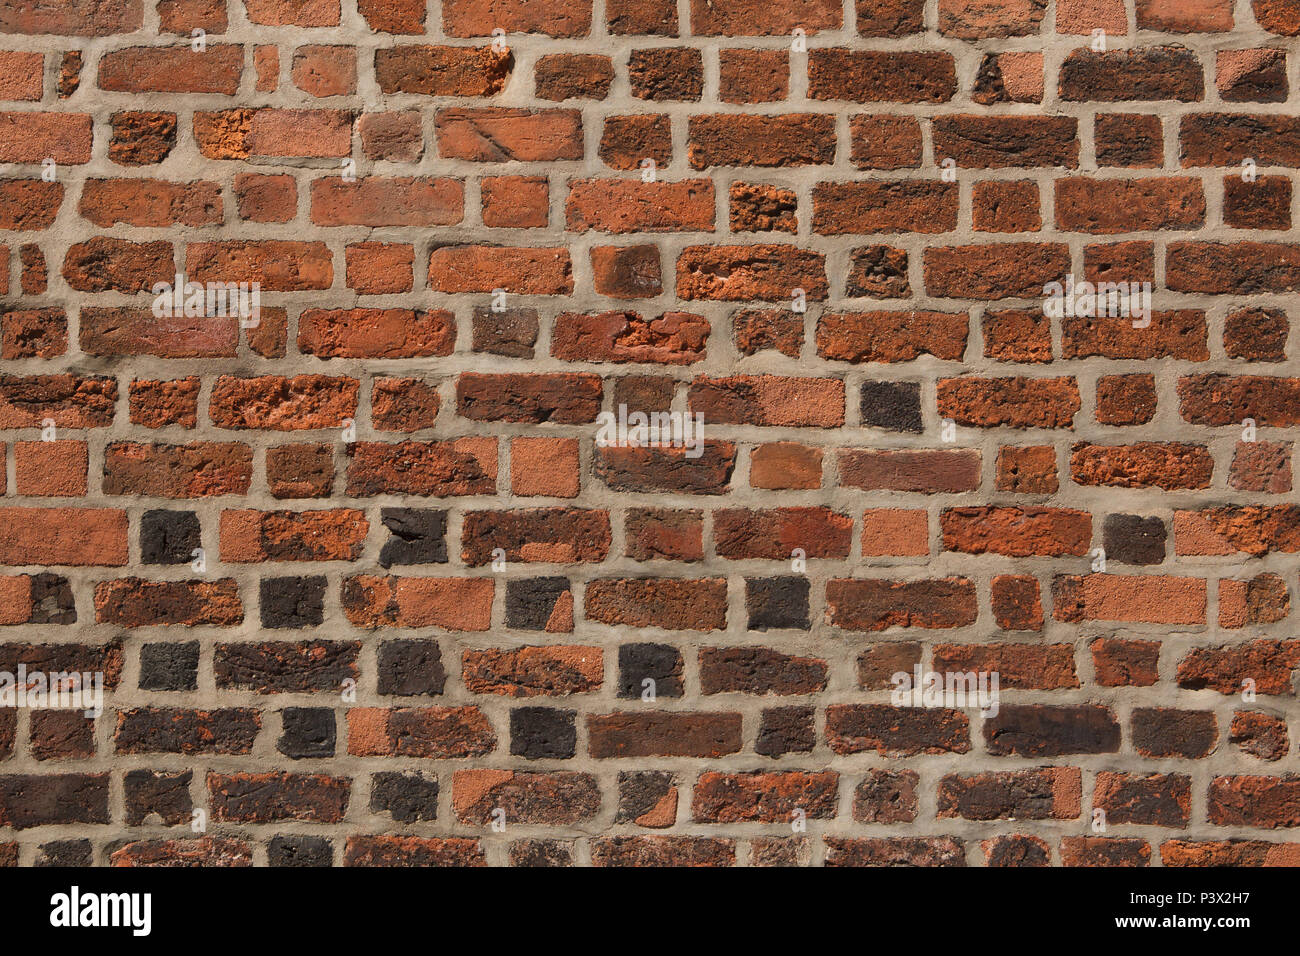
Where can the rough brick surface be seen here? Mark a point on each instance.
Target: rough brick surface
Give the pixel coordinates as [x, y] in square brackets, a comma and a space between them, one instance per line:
[369, 572]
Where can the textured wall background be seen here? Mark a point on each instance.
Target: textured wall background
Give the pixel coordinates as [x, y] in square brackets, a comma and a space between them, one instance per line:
[348, 678]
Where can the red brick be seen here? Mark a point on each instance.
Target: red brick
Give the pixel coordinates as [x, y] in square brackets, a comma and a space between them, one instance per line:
[35, 137]
[50, 468]
[1135, 598]
[325, 70]
[455, 604]
[377, 201]
[266, 198]
[375, 333]
[919, 470]
[172, 69]
[878, 76]
[193, 470]
[861, 337]
[276, 265]
[133, 602]
[282, 404]
[504, 135]
[697, 605]
[629, 205]
[731, 139]
[253, 536]
[63, 536]
[744, 273]
[1001, 271]
[1009, 402]
[478, 268]
[1016, 532]
[376, 268]
[515, 202]
[30, 204]
[769, 400]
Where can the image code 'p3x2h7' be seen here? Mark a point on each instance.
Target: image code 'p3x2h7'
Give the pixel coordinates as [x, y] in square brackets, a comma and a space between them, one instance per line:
[734, 433]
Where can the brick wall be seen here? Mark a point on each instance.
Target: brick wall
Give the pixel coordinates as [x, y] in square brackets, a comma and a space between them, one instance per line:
[365, 583]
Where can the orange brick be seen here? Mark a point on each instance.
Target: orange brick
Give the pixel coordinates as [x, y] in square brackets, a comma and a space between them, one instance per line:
[50, 468]
[515, 202]
[544, 466]
[896, 532]
[785, 465]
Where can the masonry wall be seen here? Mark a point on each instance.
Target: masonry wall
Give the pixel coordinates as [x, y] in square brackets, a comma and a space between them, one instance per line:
[366, 584]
